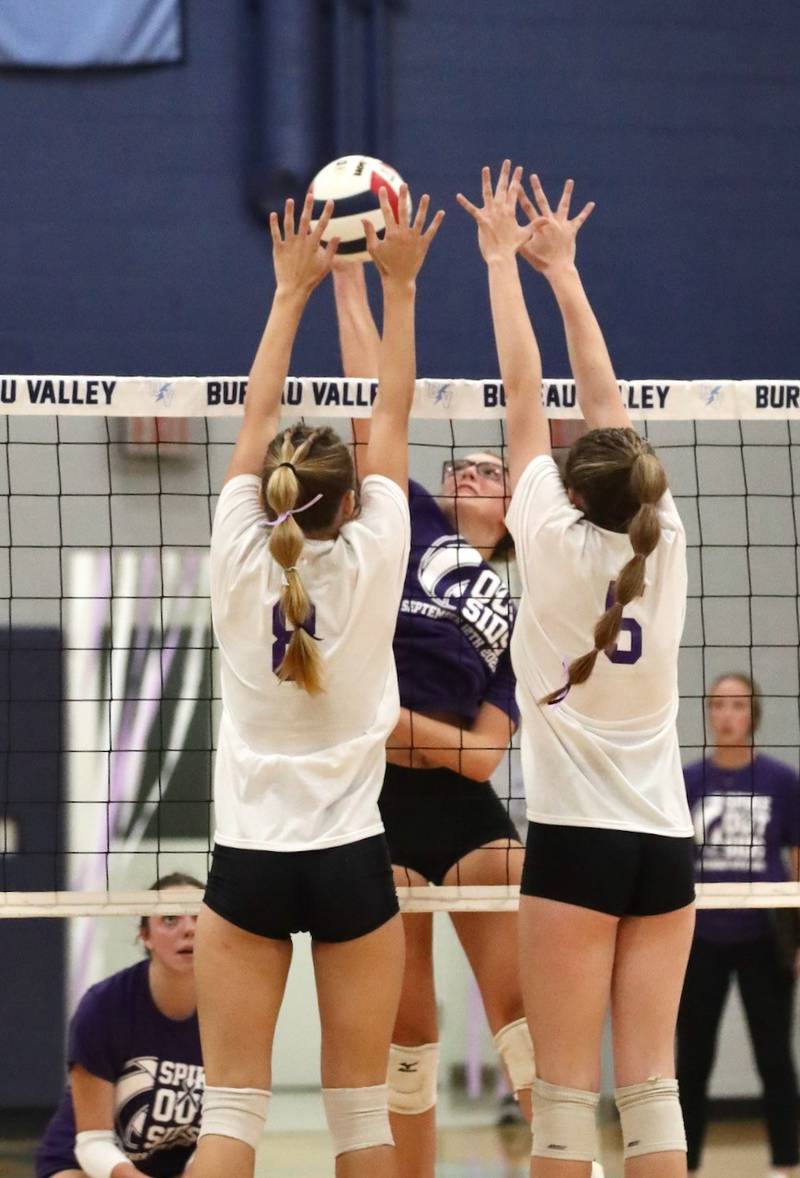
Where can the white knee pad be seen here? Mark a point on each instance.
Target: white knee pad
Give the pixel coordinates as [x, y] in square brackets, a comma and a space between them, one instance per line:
[358, 1118]
[515, 1048]
[413, 1078]
[651, 1117]
[240, 1113]
[564, 1124]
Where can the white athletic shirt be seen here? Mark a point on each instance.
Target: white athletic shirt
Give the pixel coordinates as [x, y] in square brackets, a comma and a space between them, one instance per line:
[608, 755]
[297, 772]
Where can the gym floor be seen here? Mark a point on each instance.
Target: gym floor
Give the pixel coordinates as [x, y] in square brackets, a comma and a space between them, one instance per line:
[470, 1146]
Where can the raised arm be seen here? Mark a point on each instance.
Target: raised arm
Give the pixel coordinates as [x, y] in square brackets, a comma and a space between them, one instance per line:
[551, 250]
[359, 338]
[499, 238]
[398, 257]
[300, 264]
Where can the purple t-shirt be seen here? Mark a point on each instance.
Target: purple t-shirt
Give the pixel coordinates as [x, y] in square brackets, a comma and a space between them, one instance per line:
[743, 820]
[119, 1034]
[455, 622]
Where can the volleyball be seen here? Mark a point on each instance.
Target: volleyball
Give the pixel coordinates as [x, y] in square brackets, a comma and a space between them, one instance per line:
[353, 183]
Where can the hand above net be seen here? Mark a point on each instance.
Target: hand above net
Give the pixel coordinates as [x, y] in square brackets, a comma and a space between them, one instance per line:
[552, 244]
[300, 260]
[400, 253]
[499, 234]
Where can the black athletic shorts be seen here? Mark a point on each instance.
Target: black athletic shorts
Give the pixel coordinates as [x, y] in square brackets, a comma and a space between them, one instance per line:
[434, 817]
[336, 894]
[620, 872]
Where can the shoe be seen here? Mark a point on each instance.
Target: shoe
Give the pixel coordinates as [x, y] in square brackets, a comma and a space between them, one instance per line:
[509, 1112]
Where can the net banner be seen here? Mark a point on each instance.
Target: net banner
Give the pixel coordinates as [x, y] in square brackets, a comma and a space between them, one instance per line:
[77, 34]
[437, 399]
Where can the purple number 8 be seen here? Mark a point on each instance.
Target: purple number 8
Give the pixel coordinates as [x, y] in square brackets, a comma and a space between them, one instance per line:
[281, 634]
[628, 626]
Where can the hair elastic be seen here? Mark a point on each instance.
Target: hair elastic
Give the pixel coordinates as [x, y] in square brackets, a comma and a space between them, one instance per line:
[564, 692]
[284, 515]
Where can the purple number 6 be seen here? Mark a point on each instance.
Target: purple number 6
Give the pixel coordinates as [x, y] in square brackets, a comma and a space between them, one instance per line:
[629, 626]
[281, 635]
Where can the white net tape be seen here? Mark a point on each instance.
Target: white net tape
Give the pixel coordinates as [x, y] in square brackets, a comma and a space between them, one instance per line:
[442, 399]
[499, 898]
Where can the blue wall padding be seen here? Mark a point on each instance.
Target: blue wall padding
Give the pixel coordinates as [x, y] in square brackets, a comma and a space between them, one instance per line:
[128, 241]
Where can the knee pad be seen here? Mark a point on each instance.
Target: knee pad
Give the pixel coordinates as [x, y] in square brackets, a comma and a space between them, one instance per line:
[413, 1076]
[564, 1125]
[240, 1113]
[651, 1117]
[358, 1118]
[515, 1048]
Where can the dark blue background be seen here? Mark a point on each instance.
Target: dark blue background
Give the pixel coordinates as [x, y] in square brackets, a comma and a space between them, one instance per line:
[128, 242]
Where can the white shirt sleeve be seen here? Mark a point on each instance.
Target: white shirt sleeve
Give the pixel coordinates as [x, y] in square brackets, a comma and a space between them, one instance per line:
[668, 514]
[239, 510]
[238, 506]
[383, 523]
[539, 498]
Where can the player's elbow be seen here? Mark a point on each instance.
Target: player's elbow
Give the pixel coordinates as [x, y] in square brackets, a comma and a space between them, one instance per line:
[480, 764]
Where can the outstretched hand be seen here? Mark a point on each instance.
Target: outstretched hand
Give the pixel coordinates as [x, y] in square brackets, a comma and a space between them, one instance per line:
[552, 243]
[499, 234]
[300, 261]
[399, 254]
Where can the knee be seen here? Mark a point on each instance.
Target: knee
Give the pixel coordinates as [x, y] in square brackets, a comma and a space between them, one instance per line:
[413, 1078]
[564, 1122]
[515, 1048]
[239, 1113]
[651, 1118]
[358, 1118]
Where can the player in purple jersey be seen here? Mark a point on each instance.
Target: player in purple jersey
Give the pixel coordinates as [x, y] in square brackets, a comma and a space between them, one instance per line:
[746, 811]
[444, 822]
[134, 1098]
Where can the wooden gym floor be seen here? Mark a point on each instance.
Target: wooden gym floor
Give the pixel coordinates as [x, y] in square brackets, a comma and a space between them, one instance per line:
[469, 1145]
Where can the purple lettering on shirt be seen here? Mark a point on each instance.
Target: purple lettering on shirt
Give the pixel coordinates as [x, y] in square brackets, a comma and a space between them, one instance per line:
[451, 644]
[743, 821]
[282, 635]
[628, 626]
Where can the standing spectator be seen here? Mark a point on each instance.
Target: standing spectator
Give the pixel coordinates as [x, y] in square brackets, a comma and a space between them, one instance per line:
[746, 811]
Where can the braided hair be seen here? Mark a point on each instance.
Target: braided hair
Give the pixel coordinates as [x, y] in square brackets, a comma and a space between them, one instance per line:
[301, 464]
[619, 480]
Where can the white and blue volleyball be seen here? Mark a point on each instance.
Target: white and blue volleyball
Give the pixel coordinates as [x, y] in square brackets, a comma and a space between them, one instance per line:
[353, 183]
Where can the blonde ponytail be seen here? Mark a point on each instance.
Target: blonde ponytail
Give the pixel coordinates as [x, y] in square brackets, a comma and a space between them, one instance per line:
[646, 483]
[302, 663]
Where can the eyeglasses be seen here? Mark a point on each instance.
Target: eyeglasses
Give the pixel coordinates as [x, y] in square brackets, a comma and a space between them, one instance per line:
[493, 472]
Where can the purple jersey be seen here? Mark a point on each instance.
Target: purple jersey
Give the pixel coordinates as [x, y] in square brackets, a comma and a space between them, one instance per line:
[455, 622]
[119, 1034]
[743, 821]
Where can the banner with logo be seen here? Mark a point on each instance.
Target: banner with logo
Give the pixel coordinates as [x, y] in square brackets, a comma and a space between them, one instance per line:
[80, 34]
[656, 399]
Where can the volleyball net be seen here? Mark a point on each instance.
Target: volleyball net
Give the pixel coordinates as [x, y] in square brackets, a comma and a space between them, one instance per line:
[110, 686]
